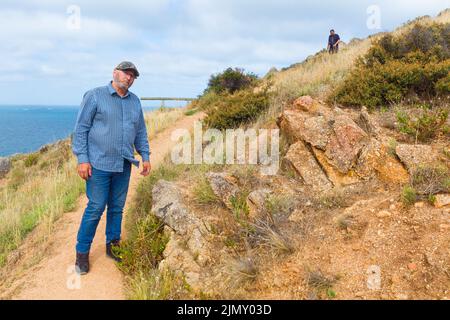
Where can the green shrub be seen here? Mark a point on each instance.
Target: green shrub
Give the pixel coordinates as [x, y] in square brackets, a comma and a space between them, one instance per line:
[144, 249]
[190, 112]
[234, 110]
[31, 159]
[204, 194]
[230, 81]
[443, 85]
[409, 195]
[239, 206]
[413, 64]
[424, 124]
[206, 101]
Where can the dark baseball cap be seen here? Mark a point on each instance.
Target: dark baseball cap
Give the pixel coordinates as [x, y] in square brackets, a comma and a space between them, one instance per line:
[127, 65]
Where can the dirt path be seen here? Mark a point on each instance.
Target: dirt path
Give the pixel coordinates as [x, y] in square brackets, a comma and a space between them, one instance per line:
[55, 278]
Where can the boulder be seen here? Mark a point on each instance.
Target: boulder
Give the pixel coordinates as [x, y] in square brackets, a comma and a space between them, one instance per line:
[442, 200]
[305, 103]
[415, 156]
[291, 124]
[256, 202]
[223, 187]
[182, 262]
[345, 143]
[375, 160]
[336, 177]
[5, 166]
[316, 131]
[305, 165]
[168, 206]
[366, 123]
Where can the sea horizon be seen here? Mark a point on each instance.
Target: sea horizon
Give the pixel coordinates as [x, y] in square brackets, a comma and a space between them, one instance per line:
[25, 128]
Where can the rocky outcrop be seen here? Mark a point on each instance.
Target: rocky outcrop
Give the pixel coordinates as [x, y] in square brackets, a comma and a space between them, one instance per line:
[376, 161]
[179, 260]
[336, 177]
[415, 156]
[257, 204]
[5, 166]
[291, 123]
[367, 124]
[328, 148]
[305, 103]
[316, 131]
[442, 200]
[345, 143]
[169, 207]
[223, 187]
[305, 165]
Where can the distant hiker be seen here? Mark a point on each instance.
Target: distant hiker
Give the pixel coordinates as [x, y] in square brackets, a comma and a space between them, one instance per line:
[333, 42]
[109, 126]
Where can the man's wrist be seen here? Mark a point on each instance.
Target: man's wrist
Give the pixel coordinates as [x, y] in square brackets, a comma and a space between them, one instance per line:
[145, 157]
[83, 158]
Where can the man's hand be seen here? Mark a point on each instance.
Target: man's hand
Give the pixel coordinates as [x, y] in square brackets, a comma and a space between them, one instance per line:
[84, 170]
[146, 168]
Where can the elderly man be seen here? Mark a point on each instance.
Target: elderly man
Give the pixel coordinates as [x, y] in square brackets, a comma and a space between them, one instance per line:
[109, 126]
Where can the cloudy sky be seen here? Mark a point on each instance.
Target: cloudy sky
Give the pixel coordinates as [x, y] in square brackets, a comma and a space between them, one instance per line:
[55, 50]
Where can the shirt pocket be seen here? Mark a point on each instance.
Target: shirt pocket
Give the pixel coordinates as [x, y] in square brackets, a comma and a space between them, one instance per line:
[135, 117]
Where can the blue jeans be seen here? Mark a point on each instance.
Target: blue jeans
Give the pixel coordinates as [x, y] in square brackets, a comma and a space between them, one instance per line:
[104, 189]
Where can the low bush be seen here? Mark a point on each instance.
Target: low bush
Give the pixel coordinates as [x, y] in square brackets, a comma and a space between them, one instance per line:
[230, 81]
[423, 123]
[233, 110]
[416, 63]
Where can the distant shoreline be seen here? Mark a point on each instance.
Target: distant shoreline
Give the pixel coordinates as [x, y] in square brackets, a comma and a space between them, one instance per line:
[22, 109]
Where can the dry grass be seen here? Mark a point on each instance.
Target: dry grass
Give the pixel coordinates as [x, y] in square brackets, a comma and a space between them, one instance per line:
[161, 119]
[316, 75]
[266, 236]
[157, 285]
[443, 17]
[240, 271]
[37, 194]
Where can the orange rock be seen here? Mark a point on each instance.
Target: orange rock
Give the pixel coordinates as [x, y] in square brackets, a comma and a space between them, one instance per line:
[412, 266]
[291, 124]
[304, 163]
[375, 160]
[305, 103]
[338, 179]
[345, 143]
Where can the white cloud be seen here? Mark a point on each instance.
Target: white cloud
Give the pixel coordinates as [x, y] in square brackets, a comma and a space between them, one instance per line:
[52, 71]
[175, 44]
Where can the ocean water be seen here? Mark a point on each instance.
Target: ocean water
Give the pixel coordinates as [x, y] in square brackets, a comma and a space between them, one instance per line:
[25, 129]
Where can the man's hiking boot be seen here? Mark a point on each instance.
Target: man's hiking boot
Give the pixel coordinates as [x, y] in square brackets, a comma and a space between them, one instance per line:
[110, 250]
[82, 263]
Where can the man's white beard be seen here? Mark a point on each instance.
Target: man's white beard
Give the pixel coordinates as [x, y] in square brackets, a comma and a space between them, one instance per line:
[122, 86]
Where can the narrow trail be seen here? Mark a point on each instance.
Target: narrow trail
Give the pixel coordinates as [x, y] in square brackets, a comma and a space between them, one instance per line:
[54, 276]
